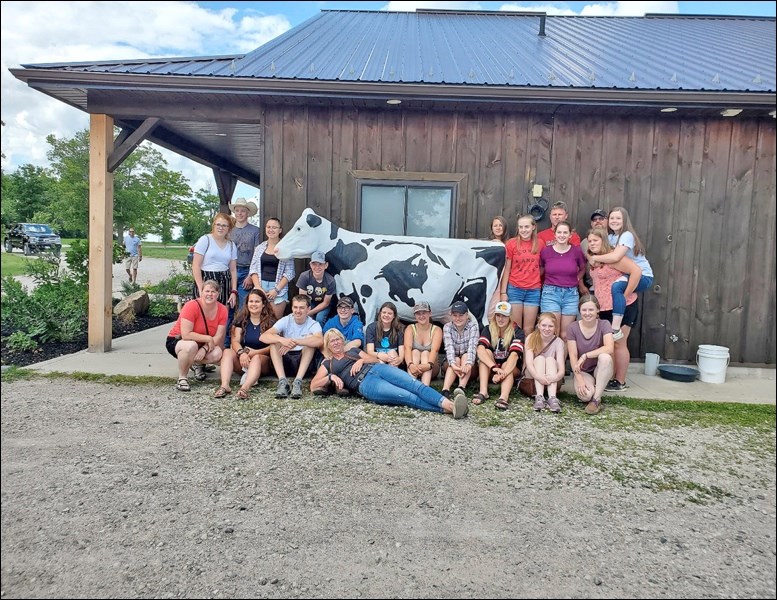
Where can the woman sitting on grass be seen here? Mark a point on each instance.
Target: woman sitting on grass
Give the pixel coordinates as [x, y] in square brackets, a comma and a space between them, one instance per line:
[499, 353]
[247, 353]
[545, 361]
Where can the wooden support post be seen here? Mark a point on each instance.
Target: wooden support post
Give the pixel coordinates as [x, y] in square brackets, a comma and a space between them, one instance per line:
[100, 234]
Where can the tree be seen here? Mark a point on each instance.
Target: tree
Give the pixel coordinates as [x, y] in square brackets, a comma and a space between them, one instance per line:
[27, 194]
[169, 192]
[199, 215]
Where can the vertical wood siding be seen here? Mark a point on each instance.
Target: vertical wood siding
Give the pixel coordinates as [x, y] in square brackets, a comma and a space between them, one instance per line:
[701, 194]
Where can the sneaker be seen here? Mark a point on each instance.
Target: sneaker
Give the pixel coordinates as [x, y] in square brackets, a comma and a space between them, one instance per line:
[446, 394]
[539, 402]
[553, 404]
[460, 406]
[615, 386]
[199, 372]
[283, 389]
[459, 390]
[617, 334]
[593, 407]
[296, 389]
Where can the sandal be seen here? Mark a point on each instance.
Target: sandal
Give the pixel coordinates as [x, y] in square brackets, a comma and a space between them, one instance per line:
[221, 392]
[501, 404]
[242, 393]
[479, 398]
[183, 385]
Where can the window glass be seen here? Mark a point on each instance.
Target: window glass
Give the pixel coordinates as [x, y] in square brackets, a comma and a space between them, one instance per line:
[383, 209]
[429, 212]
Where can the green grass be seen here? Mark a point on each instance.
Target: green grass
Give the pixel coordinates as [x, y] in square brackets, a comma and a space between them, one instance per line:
[13, 264]
[170, 251]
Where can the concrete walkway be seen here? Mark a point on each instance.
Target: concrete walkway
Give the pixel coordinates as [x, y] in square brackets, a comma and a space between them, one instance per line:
[143, 354]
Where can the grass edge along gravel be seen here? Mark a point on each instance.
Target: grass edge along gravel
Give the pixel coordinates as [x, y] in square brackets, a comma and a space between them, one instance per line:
[635, 443]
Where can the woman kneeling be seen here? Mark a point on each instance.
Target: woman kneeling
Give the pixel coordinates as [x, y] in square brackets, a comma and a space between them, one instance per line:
[363, 374]
[590, 346]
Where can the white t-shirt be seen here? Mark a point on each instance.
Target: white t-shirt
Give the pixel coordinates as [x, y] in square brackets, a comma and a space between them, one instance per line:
[213, 257]
[289, 328]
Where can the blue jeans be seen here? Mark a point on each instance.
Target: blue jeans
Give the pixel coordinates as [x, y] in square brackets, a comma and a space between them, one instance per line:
[242, 294]
[322, 316]
[619, 300]
[389, 385]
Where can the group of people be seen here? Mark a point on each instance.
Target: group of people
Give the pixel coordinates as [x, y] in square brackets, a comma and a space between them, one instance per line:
[533, 326]
[564, 278]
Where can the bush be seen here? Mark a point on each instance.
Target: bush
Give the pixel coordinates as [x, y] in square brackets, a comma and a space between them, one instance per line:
[162, 308]
[21, 342]
[177, 284]
[78, 258]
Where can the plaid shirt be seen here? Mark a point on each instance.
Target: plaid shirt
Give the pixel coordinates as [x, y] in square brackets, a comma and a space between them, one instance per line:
[459, 343]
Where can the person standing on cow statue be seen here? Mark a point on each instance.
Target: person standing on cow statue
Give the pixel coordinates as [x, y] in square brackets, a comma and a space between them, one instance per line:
[460, 337]
[294, 340]
[319, 286]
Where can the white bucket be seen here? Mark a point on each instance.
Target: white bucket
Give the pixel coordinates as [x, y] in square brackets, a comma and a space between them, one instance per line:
[712, 361]
[651, 363]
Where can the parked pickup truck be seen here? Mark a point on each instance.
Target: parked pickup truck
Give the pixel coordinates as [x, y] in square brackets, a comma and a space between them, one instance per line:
[31, 238]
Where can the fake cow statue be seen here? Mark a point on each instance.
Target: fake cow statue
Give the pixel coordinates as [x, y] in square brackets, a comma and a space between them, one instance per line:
[373, 268]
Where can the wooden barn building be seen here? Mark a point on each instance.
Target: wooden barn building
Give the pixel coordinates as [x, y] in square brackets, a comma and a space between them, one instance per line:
[376, 119]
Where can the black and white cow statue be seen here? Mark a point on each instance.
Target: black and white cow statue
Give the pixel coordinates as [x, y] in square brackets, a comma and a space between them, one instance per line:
[372, 269]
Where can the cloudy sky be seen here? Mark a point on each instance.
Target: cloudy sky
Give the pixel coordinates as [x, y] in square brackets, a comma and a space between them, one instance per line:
[41, 32]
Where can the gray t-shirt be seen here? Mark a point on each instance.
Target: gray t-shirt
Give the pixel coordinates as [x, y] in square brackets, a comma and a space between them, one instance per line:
[246, 239]
[585, 344]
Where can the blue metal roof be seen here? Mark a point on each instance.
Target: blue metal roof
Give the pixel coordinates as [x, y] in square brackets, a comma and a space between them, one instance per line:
[692, 53]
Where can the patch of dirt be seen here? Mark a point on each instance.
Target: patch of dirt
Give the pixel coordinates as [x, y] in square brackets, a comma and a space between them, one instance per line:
[139, 491]
[49, 350]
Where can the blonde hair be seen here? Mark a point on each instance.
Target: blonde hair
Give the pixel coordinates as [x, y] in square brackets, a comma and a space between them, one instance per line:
[332, 333]
[493, 330]
[639, 248]
[534, 241]
[534, 341]
[602, 235]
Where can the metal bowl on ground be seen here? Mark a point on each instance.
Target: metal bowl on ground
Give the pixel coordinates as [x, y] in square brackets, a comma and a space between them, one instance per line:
[678, 373]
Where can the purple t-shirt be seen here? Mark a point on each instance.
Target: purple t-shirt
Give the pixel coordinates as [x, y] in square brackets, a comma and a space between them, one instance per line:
[562, 269]
[585, 344]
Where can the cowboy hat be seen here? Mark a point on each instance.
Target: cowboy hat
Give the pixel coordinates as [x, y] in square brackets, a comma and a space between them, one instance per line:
[247, 204]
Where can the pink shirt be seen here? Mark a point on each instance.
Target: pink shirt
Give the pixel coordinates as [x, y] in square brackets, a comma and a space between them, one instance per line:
[603, 278]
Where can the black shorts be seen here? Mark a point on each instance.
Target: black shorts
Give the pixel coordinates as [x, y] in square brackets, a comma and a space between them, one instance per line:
[291, 362]
[629, 317]
[170, 343]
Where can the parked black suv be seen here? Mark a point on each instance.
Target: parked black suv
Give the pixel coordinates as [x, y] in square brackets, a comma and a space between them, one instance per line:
[32, 237]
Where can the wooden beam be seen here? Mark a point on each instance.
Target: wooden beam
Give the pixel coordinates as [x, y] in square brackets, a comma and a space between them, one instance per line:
[127, 144]
[226, 183]
[100, 234]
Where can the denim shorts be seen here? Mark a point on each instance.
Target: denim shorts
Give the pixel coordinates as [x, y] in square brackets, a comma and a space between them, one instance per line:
[516, 295]
[282, 296]
[560, 300]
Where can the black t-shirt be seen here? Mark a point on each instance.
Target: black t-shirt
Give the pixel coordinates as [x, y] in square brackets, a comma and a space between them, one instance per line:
[342, 368]
[269, 267]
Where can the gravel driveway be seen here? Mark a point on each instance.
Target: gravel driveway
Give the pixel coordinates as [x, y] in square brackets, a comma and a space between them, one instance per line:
[140, 491]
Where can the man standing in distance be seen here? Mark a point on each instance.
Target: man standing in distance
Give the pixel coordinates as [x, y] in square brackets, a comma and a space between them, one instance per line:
[246, 237]
[558, 213]
[134, 249]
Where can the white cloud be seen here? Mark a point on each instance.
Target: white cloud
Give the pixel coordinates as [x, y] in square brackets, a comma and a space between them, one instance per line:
[46, 32]
[607, 9]
[409, 6]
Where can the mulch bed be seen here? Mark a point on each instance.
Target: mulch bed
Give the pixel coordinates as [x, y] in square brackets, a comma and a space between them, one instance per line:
[51, 350]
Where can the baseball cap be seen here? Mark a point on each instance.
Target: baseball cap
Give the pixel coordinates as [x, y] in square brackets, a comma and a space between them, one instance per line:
[599, 212]
[459, 308]
[502, 308]
[422, 307]
[345, 301]
[318, 257]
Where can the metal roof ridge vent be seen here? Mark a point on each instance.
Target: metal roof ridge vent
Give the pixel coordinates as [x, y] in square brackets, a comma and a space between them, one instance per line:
[542, 25]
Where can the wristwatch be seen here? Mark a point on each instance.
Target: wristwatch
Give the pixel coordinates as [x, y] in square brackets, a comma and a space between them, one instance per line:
[241, 351]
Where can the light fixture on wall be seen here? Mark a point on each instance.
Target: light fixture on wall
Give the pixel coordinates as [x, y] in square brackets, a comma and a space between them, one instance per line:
[730, 112]
[394, 101]
[669, 109]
